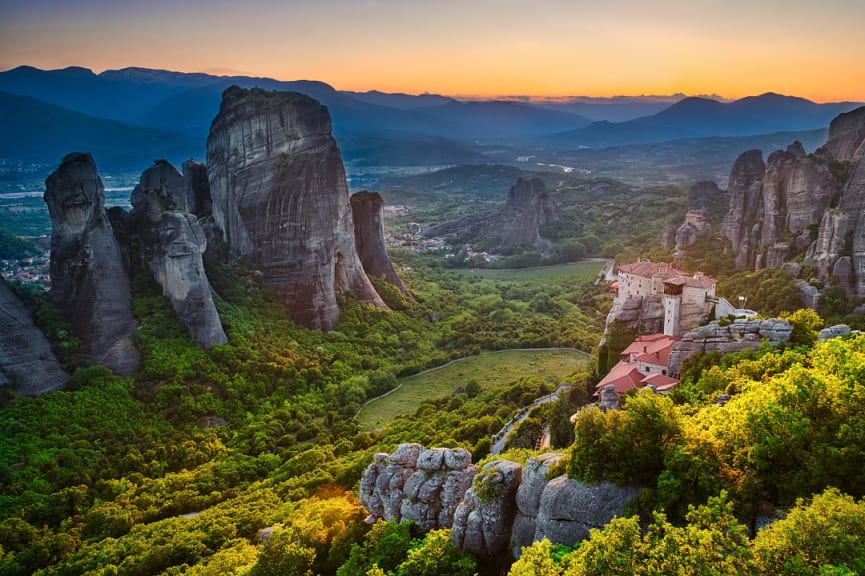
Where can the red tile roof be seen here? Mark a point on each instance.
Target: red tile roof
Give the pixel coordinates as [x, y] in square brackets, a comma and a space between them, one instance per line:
[659, 381]
[654, 348]
[654, 270]
[623, 377]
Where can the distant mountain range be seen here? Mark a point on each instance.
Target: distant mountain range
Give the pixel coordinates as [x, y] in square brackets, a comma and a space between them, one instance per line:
[702, 118]
[129, 116]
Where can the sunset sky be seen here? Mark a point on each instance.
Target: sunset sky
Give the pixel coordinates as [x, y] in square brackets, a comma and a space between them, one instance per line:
[733, 48]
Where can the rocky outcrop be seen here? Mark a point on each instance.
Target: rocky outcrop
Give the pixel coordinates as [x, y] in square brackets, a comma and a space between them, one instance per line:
[483, 520]
[27, 363]
[846, 134]
[842, 229]
[797, 190]
[367, 210]
[740, 334]
[773, 216]
[837, 331]
[785, 199]
[499, 508]
[746, 203]
[705, 202]
[517, 224]
[569, 508]
[280, 199]
[172, 244]
[88, 280]
[690, 231]
[417, 484]
[528, 499]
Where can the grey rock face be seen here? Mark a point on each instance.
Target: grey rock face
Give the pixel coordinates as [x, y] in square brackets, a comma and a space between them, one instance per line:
[417, 484]
[483, 520]
[368, 213]
[836, 331]
[739, 335]
[745, 188]
[688, 233]
[280, 198]
[847, 221]
[668, 236]
[88, 280]
[198, 200]
[569, 508]
[796, 192]
[846, 134]
[517, 223]
[172, 244]
[528, 500]
[27, 363]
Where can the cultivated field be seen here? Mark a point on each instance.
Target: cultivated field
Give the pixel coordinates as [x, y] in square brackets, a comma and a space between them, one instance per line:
[488, 368]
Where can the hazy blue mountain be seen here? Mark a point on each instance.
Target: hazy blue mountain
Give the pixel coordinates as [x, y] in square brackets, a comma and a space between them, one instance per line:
[612, 109]
[500, 119]
[40, 132]
[117, 95]
[399, 100]
[703, 117]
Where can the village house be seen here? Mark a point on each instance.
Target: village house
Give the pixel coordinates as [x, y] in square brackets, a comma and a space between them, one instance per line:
[645, 362]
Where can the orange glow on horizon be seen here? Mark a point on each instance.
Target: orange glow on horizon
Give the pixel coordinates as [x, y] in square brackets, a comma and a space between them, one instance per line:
[476, 48]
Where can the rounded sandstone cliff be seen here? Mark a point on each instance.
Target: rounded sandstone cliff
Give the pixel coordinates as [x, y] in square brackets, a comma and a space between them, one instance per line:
[281, 200]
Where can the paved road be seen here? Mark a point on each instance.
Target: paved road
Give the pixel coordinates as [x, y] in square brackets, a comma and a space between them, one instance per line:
[499, 439]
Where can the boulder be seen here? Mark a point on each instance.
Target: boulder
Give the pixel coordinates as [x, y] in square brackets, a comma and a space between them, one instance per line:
[27, 363]
[88, 280]
[483, 520]
[281, 200]
[836, 331]
[570, 508]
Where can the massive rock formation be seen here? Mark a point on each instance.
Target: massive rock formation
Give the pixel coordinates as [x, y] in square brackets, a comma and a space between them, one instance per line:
[776, 209]
[368, 214]
[741, 334]
[516, 224]
[281, 200]
[172, 244]
[88, 280]
[745, 186]
[27, 363]
[417, 484]
[842, 229]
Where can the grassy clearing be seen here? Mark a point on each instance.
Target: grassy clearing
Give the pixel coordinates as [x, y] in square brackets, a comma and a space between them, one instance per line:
[574, 270]
[488, 368]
